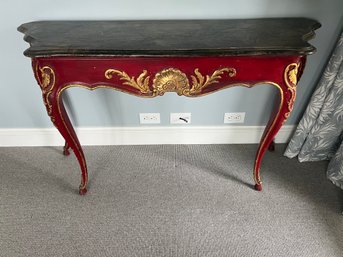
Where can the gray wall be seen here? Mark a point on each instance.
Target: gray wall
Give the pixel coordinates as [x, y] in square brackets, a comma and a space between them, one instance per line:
[20, 100]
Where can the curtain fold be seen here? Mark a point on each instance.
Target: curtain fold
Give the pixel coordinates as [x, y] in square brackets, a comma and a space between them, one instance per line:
[319, 135]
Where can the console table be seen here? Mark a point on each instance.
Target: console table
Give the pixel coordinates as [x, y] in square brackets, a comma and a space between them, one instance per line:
[149, 58]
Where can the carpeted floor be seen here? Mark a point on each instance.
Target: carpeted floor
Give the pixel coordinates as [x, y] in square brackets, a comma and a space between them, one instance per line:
[167, 200]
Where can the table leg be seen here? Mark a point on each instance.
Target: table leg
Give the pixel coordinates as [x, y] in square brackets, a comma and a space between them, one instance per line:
[66, 149]
[266, 141]
[271, 146]
[287, 93]
[52, 97]
[63, 124]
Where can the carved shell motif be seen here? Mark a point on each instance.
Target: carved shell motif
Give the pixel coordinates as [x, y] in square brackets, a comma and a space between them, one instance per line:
[171, 80]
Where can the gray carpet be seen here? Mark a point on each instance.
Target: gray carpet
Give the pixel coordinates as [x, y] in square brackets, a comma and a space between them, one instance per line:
[174, 200]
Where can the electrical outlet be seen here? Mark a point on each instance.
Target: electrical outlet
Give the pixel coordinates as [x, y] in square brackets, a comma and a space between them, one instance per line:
[180, 118]
[234, 117]
[149, 118]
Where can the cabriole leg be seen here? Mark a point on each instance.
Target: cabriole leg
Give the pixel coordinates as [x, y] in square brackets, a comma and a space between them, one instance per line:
[287, 90]
[271, 146]
[267, 139]
[55, 108]
[65, 127]
[66, 149]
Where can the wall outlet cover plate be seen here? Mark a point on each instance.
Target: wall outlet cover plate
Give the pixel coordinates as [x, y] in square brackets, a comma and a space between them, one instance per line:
[234, 117]
[149, 118]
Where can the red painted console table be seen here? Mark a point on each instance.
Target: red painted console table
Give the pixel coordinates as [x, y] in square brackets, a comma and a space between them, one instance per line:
[148, 58]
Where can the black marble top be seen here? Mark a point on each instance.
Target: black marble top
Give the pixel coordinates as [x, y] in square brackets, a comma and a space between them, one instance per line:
[280, 36]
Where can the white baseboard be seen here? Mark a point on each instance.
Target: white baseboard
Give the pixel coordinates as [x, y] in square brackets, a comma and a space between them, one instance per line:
[143, 135]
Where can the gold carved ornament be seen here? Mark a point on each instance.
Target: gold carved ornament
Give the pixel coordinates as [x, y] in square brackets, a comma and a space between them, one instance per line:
[171, 80]
[47, 84]
[291, 79]
[141, 83]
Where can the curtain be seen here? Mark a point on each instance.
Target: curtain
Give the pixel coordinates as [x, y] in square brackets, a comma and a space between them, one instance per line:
[319, 135]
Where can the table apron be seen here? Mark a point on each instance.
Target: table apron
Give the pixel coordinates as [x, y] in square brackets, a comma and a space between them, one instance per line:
[153, 76]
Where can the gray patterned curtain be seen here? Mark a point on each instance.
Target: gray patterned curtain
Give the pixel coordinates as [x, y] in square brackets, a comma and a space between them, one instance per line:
[319, 135]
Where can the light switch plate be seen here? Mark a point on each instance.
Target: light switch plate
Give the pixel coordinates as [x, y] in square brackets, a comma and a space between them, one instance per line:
[180, 118]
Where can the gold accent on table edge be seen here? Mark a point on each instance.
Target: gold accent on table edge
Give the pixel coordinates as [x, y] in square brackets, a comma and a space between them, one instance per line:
[171, 80]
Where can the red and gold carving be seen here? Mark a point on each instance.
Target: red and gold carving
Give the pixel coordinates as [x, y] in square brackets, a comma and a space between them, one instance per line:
[150, 77]
[46, 76]
[171, 80]
[291, 78]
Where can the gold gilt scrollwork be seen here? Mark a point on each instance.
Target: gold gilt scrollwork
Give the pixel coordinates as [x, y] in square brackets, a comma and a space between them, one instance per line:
[200, 82]
[141, 83]
[47, 84]
[171, 80]
[291, 79]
